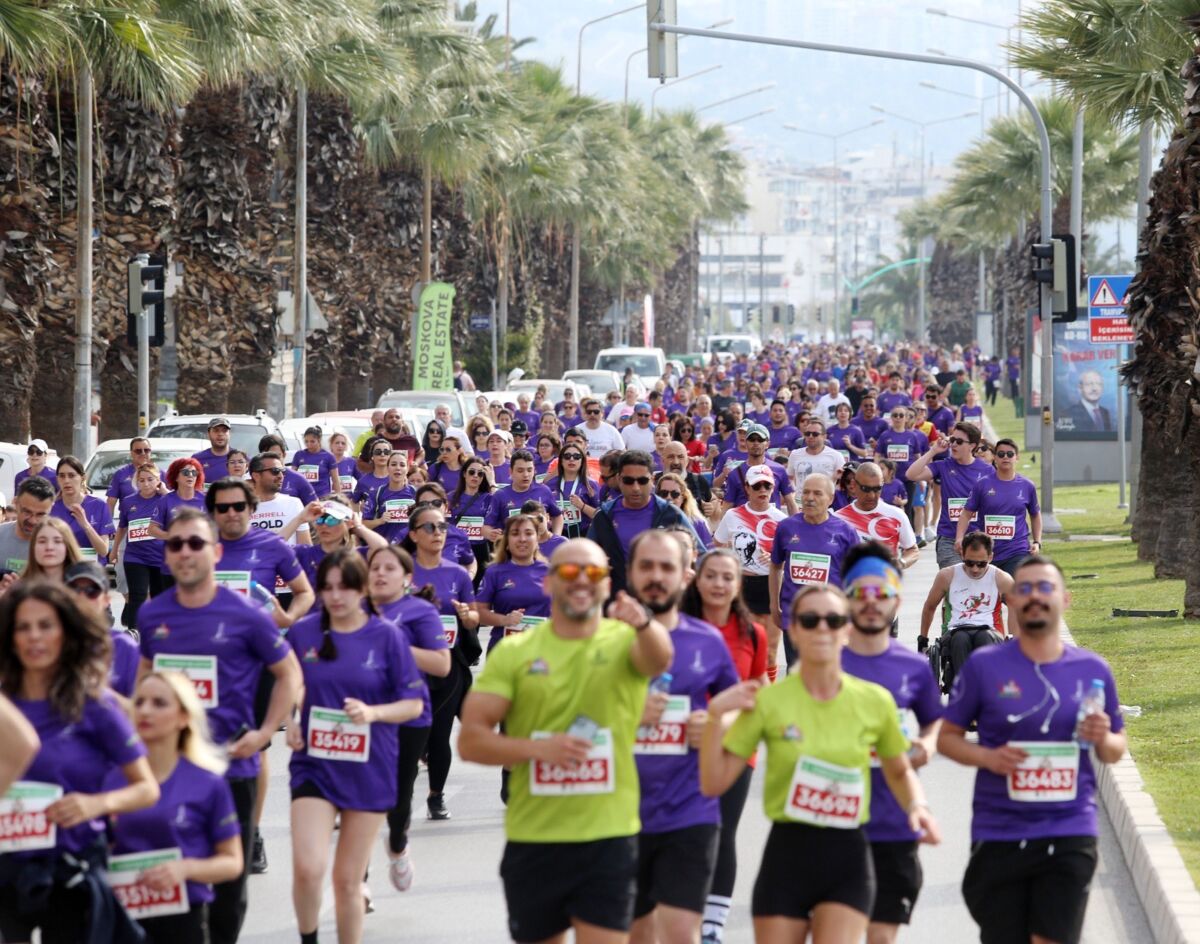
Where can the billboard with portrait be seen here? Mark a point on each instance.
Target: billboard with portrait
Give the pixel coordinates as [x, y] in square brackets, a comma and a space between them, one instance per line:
[1085, 385]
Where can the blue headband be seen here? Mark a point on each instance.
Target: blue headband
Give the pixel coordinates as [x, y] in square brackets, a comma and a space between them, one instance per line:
[873, 567]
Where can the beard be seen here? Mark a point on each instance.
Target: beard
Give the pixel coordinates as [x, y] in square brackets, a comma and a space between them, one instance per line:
[581, 613]
[869, 629]
[664, 604]
[1034, 618]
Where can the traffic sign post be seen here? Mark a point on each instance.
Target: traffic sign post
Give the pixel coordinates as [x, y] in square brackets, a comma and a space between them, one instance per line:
[1107, 321]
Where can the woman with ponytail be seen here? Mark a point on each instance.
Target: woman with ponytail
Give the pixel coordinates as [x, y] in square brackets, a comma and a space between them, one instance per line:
[194, 813]
[360, 684]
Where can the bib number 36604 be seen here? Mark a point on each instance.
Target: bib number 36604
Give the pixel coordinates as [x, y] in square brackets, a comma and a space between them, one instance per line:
[593, 775]
[823, 794]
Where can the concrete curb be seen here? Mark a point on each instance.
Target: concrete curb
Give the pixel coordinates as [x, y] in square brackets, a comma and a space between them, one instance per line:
[1165, 887]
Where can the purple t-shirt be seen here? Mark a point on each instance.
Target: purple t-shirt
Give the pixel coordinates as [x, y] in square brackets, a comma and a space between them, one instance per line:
[971, 413]
[888, 401]
[956, 482]
[810, 553]
[907, 677]
[576, 523]
[507, 502]
[241, 637]
[194, 813]
[393, 505]
[629, 523]
[472, 506]
[375, 665]
[171, 502]
[783, 437]
[267, 558]
[731, 458]
[310, 556]
[735, 485]
[123, 676]
[135, 516]
[547, 547]
[998, 684]
[315, 469]
[942, 419]
[367, 486]
[297, 486]
[501, 474]
[98, 516]
[448, 478]
[215, 467]
[837, 438]
[450, 583]
[78, 758]
[871, 428]
[701, 667]
[902, 448]
[991, 371]
[510, 586]
[122, 485]
[893, 490]
[418, 620]
[1013, 366]
[47, 473]
[347, 470]
[996, 501]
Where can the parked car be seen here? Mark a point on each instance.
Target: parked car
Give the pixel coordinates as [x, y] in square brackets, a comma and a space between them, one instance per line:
[732, 344]
[12, 461]
[462, 405]
[649, 363]
[554, 388]
[600, 381]
[113, 454]
[245, 430]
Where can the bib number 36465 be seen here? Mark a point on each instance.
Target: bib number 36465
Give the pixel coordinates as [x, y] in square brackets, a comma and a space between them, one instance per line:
[593, 775]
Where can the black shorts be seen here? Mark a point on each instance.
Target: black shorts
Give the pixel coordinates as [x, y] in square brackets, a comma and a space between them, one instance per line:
[1036, 886]
[898, 879]
[756, 593]
[676, 868]
[804, 866]
[307, 790]
[547, 884]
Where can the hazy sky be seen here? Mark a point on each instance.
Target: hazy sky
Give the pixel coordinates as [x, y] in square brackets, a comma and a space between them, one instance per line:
[822, 91]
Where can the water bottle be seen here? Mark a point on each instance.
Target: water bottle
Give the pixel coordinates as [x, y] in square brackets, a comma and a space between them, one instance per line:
[1092, 702]
[662, 684]
[262, 596]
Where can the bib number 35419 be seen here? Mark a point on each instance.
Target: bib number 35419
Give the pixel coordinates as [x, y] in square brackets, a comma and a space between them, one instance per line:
[333, 736]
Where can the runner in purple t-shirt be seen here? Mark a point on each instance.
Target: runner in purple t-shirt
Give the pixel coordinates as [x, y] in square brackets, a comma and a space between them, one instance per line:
[1039, 704]
[512, 597]
[215, 457]
[951, 463]
[1000, 505]
[315, 465]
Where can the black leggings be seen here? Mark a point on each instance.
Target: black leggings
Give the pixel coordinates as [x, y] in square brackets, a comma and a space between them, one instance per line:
[228, 909]
[188, 928]
[412, 746]
[733, 801]
[145, 580]
[447, 702]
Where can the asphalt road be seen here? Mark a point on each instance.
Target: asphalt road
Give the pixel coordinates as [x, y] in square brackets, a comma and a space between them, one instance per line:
[457, 897]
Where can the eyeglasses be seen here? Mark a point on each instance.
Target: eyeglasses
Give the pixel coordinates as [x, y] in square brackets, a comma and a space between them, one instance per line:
[141, 452]
[670, 495]
[1026, 587]
[572, 572]
[87, 588]
[874, 592]
[762, 486]
[572, 457]
[1006, 454]
[223, 507]
[192, 473]
[473, 472]
[193, 543]
[813, 620]
[868, 488]
[448, 448]
[329, 521]
[381, 452]
[592, 412]
[975, 565]
[635, 479]
[816, 434]
[432, 503]
[432, 527]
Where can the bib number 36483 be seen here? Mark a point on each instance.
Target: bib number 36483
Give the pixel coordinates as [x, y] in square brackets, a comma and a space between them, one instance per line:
[593, 775]
[333, 736]
[1048, 774]
[823, 794]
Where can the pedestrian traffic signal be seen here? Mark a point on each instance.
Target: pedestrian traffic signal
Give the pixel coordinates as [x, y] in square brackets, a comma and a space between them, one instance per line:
[145, 269]
[1054, 264]
[775, 314]
[662, 49]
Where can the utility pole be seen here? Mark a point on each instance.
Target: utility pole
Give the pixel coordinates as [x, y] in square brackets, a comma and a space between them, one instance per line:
[81, 439]
[762, 286]
[300, 278]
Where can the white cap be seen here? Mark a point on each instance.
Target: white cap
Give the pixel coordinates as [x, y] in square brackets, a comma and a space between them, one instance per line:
[759, 473]
[503, 434]
[40, 443]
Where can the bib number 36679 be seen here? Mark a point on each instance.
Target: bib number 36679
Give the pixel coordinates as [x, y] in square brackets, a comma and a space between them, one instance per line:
[823, 794]
[669, 736]
[593, 775]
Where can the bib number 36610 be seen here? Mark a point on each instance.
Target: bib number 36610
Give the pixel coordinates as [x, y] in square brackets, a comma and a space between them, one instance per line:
[593, 775]
[823, 794]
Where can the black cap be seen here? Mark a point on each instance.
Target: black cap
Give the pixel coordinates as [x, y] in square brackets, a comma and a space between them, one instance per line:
[87, 570]
[518, 428]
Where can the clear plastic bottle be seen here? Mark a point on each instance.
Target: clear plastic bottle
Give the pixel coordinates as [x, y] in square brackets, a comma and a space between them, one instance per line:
[662, 684]
[1092, 702]
[262, 596]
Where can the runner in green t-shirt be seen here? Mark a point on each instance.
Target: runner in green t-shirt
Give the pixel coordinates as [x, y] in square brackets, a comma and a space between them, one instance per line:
[819, 725]
[570, 694]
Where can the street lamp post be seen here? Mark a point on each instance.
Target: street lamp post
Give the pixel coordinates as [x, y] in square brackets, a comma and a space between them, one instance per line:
[643, 51]
[938, 11]
[682, 78]
[921, 248]
[837, 199]
[734, 98]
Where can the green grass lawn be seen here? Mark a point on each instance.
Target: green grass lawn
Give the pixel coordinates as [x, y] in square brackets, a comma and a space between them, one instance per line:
[1154, 662]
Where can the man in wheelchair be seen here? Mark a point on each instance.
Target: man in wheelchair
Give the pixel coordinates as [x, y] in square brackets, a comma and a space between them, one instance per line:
[970, 596]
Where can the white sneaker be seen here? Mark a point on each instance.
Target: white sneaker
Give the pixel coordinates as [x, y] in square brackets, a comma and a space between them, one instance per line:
[400, 871]
[930, 534]
[368, 907]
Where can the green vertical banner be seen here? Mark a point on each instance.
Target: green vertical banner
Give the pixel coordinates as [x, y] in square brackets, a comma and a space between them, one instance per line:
[433, 367]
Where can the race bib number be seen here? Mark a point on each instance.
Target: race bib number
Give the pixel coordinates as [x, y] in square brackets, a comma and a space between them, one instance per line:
[396, 510]
[594, 775]
[472, 528]
[348, 482]
[809, 568]
[527, 622]
[824, 794]
[571, 514]
[449, 629]
[23, 821]
[733, 464]
[541, 478]
[1050, 774]
[15, 563]
[333, 736]
[669, 736]
[236, 580]
[1000, 527]
[139, 530]
[897, 452]
[138, 898]
[845, 454]
[310, 472]
[954, 507]
[89, 554]
[200, 670]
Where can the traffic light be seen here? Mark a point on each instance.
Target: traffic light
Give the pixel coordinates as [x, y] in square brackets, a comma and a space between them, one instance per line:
[775, 314]
[662, 48]
[791, 314]
[145, 269]
[1054, 264]
[819, 319]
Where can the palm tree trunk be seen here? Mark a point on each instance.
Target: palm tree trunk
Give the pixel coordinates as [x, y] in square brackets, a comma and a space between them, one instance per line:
[426, 222]
[1156, 469]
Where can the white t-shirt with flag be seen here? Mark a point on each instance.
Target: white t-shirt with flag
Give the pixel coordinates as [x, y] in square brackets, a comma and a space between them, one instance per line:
[886, 524]
[750, 534]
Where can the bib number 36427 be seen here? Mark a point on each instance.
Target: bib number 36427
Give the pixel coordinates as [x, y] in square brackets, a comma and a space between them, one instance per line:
[333, 736]
[593, 775]
[1048, 774]
[823, 794]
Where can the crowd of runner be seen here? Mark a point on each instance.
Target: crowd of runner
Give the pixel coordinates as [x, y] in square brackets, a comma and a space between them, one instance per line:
[676, 582]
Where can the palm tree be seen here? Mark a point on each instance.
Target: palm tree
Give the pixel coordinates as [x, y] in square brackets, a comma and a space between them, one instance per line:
[892, 297]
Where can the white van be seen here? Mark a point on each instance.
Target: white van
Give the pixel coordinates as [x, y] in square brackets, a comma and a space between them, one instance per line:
[649, 363]
[732, 344]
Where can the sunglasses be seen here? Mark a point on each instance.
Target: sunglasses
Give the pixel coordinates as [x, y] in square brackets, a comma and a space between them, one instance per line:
[224, 507]
[762, 486]
[899, 416]
[381, 452]
[35, 452]
[975, 565]
[194, 543]
[635, 479]
[446, 448]
[872, 593]
[1006, 454]
[572, 457]
[273, 471]
[813, 435]
[931, 396]
[141, 452]
[813, 620]
[592, 412]
[643, 415]
[473, 472]
[868, 488]
[192, 473]
[1026, 587]
[433, 527]
[955, 441]
[670, 496]
[432, 503]
[329, 521]
[571, 572]
[88, 589]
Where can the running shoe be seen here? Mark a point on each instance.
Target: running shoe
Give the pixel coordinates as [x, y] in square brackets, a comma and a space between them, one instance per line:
[258, 858]
[368, 905]
[930, 534]
[436, 804]
[400, 869]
